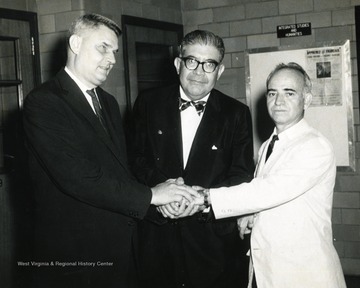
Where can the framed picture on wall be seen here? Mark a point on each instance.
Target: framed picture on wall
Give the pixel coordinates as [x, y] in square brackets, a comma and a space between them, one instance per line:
[331, 110]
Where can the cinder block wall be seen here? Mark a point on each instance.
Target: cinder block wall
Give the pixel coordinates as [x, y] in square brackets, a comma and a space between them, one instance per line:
[244, 24]
[248, 24]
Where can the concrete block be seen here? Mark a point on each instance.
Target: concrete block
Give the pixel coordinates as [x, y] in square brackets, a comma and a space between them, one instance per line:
[351, 216]
[246, 27]
[295, 6]
[46, 24]
[350, 183]
[264, 40]
[190, 5]
[64, 20]
[317, 20]
[170, 4]
[261, 9]
[228, 14]
[53, 6]
[352, 250]
[217, 3]
[346, 232]
[333, 33]
[170, 15]
[322, 5]
[235, 44]
[151, 12]
[350, 266]
[343, 17]
[237, 60]
[198, 17]
[220, 29]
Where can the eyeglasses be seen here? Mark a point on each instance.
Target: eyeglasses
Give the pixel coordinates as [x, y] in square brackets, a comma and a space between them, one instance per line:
[193, 64]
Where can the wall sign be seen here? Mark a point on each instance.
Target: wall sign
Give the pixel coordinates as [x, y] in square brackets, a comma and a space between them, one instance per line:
[294, 30]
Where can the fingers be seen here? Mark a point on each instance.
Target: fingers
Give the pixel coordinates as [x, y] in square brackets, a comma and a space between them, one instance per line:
[245, 224]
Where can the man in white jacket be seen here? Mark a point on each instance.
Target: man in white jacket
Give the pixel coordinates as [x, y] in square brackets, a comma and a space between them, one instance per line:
[288, 205]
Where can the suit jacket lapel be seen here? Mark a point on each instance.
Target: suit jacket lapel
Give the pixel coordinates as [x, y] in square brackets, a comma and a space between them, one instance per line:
[172, 112]
[204, 134]
[73, 95]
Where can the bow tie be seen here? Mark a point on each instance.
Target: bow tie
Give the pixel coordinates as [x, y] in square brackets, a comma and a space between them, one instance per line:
[199, 105]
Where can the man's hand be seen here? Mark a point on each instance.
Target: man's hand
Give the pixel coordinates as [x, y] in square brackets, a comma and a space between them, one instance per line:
[245, 224]
[173, 190]
[178, 210]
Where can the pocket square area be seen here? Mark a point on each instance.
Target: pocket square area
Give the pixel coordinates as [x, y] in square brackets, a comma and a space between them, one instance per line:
[214, 147]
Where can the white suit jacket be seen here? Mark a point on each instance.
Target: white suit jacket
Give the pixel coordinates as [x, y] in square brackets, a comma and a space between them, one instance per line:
[291, 194]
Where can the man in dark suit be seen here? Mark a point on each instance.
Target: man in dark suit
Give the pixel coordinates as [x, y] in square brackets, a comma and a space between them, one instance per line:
[207, 146]
[87, 201]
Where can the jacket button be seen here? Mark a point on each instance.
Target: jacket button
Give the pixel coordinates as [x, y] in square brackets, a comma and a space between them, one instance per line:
[131, 223]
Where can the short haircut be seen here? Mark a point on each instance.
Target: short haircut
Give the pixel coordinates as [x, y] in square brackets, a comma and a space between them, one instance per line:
[92, 21]
[204, 38]
[292, 66]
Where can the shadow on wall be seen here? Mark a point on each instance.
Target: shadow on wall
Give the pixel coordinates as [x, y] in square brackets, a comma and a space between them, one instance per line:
[56, 59]
[263, 123]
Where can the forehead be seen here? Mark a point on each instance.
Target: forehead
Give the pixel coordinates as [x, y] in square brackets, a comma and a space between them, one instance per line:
[202, 52]
[287, 78]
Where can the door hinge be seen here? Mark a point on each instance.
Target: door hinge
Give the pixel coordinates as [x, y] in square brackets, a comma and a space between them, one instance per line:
[32, 46]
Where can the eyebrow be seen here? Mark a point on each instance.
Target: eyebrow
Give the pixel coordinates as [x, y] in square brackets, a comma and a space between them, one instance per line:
[286, 89]
[110, 46]
[206, 60]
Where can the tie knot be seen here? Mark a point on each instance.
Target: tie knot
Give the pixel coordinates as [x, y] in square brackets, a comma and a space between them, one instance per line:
[199, 105]
[91, 93]
[274, 138]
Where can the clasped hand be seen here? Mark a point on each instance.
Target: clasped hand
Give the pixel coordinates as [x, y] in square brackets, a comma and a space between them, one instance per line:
[185, 206]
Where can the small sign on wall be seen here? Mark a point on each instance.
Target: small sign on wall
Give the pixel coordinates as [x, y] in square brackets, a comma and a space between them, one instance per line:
[294, 30]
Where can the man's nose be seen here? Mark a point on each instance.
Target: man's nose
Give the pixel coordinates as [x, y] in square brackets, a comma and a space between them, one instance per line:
[199, 69]
[279, 99]
[111, 58]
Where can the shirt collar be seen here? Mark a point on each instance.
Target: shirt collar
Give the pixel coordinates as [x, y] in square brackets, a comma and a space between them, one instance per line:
[82, 86]
[293, 131]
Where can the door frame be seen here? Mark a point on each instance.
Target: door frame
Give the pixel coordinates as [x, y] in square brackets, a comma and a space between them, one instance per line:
[31, 18]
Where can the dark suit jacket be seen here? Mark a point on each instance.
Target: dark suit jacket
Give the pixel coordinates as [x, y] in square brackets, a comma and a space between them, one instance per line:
[221, 155]
[87, 202]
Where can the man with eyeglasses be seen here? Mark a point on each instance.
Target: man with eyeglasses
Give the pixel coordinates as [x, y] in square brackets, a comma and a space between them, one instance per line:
[195, 132]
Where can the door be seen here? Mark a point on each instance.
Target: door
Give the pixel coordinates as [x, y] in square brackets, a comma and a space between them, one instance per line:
[19, 73]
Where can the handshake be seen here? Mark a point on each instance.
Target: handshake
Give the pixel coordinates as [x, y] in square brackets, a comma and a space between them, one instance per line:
[176, 200]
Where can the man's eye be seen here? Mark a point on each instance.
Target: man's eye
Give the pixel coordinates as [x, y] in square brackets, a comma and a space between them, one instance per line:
[210, 64]
[191, 61]
[102, 48]
[271, 94]
[290, 94]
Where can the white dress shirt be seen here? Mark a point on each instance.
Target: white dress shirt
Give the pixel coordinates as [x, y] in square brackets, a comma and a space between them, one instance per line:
[190, 121]
[83, 88]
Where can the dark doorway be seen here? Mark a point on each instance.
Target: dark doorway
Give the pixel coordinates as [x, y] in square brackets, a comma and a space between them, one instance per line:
[154, 65]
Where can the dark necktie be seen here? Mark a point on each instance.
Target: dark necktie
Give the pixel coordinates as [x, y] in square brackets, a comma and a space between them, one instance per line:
[271, 146]
[199, 105]
[97, 107]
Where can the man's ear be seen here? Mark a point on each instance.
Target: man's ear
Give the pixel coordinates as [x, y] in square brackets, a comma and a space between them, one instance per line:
[75, 43]
[177, 63]
[221, 70]
[307, 100]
